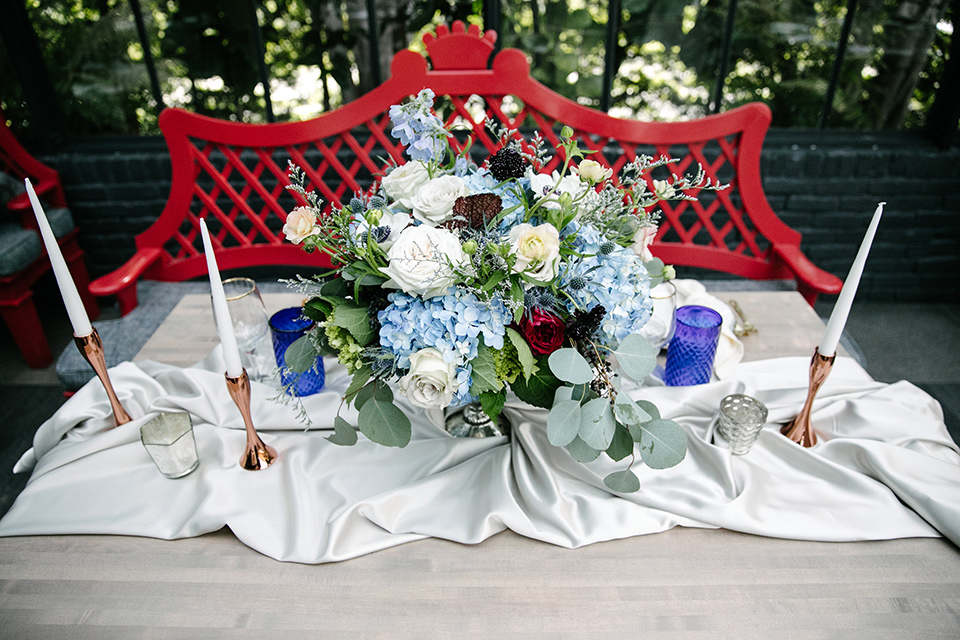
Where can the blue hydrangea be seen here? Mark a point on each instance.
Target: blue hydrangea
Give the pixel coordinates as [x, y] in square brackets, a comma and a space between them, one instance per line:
[452, 324]
[618, 281]
[418, 128]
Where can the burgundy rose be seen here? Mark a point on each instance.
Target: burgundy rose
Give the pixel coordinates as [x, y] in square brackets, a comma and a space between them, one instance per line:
[544, 331]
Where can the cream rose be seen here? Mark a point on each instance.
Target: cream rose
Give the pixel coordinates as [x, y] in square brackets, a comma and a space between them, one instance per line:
[301, 223]
[642, 238]
[422, 261]
[402, 183]
[594, 172]
[537, 250]
[431, 381]
[433, 202]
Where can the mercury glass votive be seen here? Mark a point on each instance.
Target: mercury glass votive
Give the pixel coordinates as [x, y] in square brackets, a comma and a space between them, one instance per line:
[169, 440]
[741, 420]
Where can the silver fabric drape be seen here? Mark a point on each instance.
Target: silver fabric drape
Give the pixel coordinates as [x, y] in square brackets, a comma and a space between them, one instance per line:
[885, 468]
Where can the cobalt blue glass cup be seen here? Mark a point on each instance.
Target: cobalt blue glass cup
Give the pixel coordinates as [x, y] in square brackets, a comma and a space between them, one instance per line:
[286, 326]
[693, 347]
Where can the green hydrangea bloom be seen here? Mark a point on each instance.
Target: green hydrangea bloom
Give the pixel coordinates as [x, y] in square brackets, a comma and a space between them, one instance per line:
[347, 348]
[507, 362]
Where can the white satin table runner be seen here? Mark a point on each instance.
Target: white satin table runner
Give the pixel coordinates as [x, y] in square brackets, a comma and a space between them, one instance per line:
[885, 468]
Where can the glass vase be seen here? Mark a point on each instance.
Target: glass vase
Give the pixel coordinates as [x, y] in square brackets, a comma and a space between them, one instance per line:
[472, 422]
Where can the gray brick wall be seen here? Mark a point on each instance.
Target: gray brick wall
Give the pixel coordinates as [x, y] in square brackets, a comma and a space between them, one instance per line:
[823, 184]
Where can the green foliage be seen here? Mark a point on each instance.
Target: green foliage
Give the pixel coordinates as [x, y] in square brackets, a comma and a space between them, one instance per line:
[667, 57]
[484, 372]
[384, 423]
[622, 481]
[343, 433]
[563, 422]
[568, 365]
[636, 356]
[300, 356]
[492, 403]
[663, 444]
[540, 388]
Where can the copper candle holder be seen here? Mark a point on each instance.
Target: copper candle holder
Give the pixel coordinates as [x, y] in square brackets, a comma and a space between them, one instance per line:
[92, 349]
[256, 455]
[800, 430]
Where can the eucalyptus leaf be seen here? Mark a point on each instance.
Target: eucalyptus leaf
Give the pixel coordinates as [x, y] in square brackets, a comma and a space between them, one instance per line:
[356, 383]
[524, 355]
[365, 393]
[636, 356]
[622, 444]
[650, 408]
[582, 393]
[562, 394]
[597, 424]
[629, 411]
[300, 355]
[568, 365]
[384, 423]
[663, 444]
[624, 481]
[343, 433]
[581, 451]
[563, 423]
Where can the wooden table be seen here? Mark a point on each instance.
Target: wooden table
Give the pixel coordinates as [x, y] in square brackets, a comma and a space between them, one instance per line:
[699, 583]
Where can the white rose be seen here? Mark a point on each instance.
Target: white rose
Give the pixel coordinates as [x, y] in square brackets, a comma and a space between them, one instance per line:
[421, 261]
[542, 183]
[431, 381]
[433, 202]
[537, 250]
[387, 229]
[402, 183]
[301, 223]
[594, 172]
[642, 238]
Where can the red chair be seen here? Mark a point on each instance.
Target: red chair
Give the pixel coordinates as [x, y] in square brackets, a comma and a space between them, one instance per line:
[24, 259]
[235, 175]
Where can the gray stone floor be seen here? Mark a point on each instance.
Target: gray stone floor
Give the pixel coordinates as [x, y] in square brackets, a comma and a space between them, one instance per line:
[915, 342]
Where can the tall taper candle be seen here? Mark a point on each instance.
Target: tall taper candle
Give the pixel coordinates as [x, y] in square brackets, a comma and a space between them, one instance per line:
[828, 345]
[68, 288]
[228, 339]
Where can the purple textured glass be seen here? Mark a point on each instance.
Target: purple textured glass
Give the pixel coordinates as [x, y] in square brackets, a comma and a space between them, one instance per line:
[693, 347]
[286, 326]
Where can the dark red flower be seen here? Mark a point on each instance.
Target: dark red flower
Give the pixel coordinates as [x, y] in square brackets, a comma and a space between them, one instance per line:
[544, 331]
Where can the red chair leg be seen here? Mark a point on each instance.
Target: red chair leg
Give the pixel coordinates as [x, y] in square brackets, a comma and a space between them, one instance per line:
[24, 323]
[74, 258]
[127, 298]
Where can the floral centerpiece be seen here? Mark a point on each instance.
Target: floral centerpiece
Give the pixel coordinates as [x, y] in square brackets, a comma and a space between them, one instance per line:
[462, 282]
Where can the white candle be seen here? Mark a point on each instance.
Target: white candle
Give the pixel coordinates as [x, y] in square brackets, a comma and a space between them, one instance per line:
[68, 288]
[831, 337]
[228, 339]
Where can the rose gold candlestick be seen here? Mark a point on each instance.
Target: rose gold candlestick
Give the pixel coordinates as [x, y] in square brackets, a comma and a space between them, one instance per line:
[92, 349]
[257, 455]
[799, 429]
